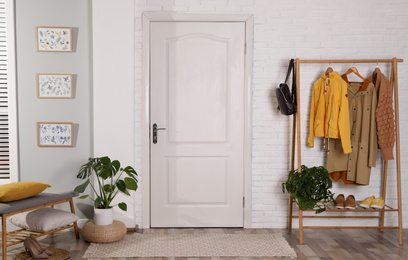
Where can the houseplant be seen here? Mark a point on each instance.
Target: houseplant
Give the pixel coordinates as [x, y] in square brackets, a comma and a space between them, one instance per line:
[108, 175]
[309, 187]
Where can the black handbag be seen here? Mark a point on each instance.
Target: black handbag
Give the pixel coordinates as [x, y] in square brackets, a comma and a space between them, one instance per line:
[286, 100]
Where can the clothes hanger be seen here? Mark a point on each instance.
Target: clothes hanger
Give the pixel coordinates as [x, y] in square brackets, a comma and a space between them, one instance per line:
[375, 73]
[328, 71]
[377, 69]
[355, 71]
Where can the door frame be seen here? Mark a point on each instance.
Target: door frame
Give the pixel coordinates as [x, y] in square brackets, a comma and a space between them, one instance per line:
[147, 18]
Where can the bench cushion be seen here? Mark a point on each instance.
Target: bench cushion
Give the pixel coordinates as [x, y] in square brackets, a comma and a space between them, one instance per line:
[21, 190]
[37, 200]
[44, 219]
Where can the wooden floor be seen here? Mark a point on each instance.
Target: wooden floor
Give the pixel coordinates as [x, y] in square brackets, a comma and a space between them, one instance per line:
[318, 243]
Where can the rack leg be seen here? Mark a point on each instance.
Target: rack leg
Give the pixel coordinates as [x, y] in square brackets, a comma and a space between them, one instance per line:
[300, 227]
[384, 191]
[400, 226]
[4, 237]
[290, 214]
[397, 142]
[382, 221]
[292, 167]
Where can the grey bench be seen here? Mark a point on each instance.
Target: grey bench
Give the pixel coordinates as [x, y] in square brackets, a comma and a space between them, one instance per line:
[35, 202]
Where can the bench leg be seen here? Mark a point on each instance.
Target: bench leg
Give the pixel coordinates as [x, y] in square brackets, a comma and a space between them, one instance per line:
[4, 236]
[71, 204]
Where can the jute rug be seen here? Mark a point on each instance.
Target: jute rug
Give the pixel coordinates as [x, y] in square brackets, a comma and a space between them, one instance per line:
[194, 245]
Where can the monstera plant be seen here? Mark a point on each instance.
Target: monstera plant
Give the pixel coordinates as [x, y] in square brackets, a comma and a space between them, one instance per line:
[308, 187]
[109, 177]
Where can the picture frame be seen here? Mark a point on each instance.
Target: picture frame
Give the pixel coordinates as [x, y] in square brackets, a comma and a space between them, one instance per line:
[54, 85]
[55, 134]
[54, 39]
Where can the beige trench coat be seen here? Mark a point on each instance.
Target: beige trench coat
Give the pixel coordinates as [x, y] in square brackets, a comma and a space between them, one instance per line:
[362, 103]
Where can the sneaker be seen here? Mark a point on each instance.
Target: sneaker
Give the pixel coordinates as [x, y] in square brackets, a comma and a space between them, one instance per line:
[339, 201]
[367, 202]
[350, 202]
[378, 203]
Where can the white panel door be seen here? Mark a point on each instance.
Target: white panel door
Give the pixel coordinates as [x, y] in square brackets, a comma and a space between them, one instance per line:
[197, 103]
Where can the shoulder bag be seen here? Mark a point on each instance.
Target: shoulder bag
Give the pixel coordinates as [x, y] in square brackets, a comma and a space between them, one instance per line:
[287, 100]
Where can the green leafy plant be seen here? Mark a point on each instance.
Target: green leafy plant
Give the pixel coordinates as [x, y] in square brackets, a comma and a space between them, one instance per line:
[309, 187]
[108, 175]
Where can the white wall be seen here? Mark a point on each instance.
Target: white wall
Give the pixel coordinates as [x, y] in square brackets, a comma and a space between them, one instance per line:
[305, 29]
[57, 166]
[114, 105]
[329, 29]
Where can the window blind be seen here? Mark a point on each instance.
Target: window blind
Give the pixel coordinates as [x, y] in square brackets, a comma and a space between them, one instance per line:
[4, 96]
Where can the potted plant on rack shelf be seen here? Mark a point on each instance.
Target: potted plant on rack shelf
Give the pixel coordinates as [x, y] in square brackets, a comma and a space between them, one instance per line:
[110, 183]
[309, 187]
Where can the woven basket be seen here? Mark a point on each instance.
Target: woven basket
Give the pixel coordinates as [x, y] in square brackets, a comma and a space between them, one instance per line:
[103, 234]
[58, 254]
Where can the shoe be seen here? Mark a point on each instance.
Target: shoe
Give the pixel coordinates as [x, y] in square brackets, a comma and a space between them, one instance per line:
[378, 203]
[367, 202]
[38, 246]
[339, 201]
[32, 251]
[350, 202]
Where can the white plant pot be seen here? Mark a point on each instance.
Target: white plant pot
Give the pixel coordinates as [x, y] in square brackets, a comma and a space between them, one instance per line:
[103, 217]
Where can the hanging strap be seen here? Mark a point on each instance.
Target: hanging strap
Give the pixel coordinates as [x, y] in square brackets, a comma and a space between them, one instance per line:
[290, 68]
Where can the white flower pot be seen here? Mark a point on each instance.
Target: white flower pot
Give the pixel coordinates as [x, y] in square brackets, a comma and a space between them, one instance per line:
[103, 217]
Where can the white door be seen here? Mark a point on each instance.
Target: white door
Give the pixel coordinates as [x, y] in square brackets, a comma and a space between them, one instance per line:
[197, 103]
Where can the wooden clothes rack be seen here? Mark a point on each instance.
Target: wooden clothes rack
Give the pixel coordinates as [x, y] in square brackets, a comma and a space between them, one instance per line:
[296, 138]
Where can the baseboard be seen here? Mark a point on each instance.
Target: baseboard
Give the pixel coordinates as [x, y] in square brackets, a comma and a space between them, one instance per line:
[128, 222]
[81, 222]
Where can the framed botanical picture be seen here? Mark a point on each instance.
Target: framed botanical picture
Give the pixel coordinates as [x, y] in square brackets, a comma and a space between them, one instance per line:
[54, 85]
[55, 134]
[54, 39]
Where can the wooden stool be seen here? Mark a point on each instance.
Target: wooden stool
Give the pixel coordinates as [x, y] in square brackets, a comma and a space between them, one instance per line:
[103, 234]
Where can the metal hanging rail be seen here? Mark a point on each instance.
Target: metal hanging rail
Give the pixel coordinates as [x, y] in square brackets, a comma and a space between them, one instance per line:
[296, 139]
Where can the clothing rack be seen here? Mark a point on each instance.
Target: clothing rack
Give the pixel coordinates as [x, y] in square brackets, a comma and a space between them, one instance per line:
[296, 138]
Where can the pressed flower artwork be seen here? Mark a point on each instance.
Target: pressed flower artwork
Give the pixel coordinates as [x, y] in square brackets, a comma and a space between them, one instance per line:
[54, 134]
[56, 39]
[54, 85]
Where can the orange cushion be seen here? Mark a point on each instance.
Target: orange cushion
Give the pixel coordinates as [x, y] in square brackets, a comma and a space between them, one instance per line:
[21, 190]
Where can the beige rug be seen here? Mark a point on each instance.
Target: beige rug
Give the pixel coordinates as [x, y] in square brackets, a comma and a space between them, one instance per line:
[194, 245]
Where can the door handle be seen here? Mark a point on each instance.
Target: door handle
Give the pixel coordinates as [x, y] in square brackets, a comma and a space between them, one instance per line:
[155, 129]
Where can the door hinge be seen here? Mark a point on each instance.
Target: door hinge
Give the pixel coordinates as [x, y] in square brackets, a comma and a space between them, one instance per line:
[243, 202]
[245, 48]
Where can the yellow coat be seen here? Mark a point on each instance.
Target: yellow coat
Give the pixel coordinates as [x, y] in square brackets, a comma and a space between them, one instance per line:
[329, 113]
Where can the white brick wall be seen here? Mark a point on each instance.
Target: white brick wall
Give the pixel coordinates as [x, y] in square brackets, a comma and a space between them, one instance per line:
[324, 29]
